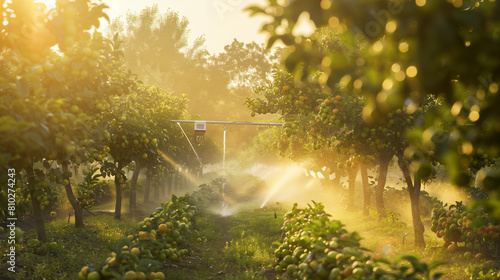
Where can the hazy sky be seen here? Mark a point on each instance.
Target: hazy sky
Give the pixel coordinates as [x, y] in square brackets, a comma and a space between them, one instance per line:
[220, 21]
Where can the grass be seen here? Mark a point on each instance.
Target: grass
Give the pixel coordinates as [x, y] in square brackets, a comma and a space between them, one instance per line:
[240, 246]
[70, 248]
[388, 235]
[253, 234]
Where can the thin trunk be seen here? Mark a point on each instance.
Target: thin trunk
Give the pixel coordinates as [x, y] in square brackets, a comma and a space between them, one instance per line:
[171, 185]
[200, 172]
[379, 191]
[148, 185]
[176, 181]
[178, 186]
[336, 181]
[163, 185]
[414, 191]
[156, 189]
[185, 182]
[366, 189]
[352, 173]
[72, 199]
[118, 205]
[37, 210]
[133, 184]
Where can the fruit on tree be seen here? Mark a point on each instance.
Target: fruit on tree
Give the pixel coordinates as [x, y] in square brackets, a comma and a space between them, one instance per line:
[136, 251]
[452, 248]
[94, 275]
[130, 275]
[163, 228]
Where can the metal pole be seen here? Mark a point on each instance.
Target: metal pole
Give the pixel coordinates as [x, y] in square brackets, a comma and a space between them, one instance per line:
[224, 156]
[199, 160]
[228, 122]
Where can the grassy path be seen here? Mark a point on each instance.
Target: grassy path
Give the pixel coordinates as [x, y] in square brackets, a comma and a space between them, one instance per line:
[237, 247]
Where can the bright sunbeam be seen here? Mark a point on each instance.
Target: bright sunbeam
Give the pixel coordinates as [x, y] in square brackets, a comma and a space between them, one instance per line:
[289, 174]
[168, 159]
[188, 176]
[310, 184]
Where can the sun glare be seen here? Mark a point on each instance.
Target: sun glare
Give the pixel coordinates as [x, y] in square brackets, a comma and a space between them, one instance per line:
[49, 3]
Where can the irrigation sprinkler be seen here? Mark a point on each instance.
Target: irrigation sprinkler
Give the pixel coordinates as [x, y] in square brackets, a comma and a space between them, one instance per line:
[200, 127]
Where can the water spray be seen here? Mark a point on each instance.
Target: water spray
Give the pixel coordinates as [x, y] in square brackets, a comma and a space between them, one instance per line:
[224, 202]
[225, 123]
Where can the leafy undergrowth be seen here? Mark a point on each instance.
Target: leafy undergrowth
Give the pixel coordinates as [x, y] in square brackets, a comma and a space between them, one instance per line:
[69, 247]
[240, 246]
[458, 265]
[394, 236]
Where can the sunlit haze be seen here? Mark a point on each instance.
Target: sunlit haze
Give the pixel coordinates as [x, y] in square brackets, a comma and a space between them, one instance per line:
[219, 21]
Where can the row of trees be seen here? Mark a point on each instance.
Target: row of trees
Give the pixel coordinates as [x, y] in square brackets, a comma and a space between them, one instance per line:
[77, 105]
[366, 88]
[157, 47]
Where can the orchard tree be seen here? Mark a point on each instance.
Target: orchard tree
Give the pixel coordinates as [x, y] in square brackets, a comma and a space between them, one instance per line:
[337, 120]
[138, 129]
[301, 139]
[35, 88]
[156, 108]
[404, 45]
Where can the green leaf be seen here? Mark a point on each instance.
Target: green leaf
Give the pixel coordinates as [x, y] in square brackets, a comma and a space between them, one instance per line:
[254, 10]
[436, 264]
[23, 86]
[437, 276]
[414, 261]
[39, 173]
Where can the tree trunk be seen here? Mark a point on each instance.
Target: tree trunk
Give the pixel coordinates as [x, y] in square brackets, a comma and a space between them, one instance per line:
[414, 191]
[156, 189]
[37, 210]
[200, 172]
[118, 205]
[336, 181]
[382, 178]
[72, 199]
[133, 184]
[163, 185]
[171, 185]
[366, 189]
[176, 181]
[148, 185]
[182, 181]
[185, 182]
[352, 173]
